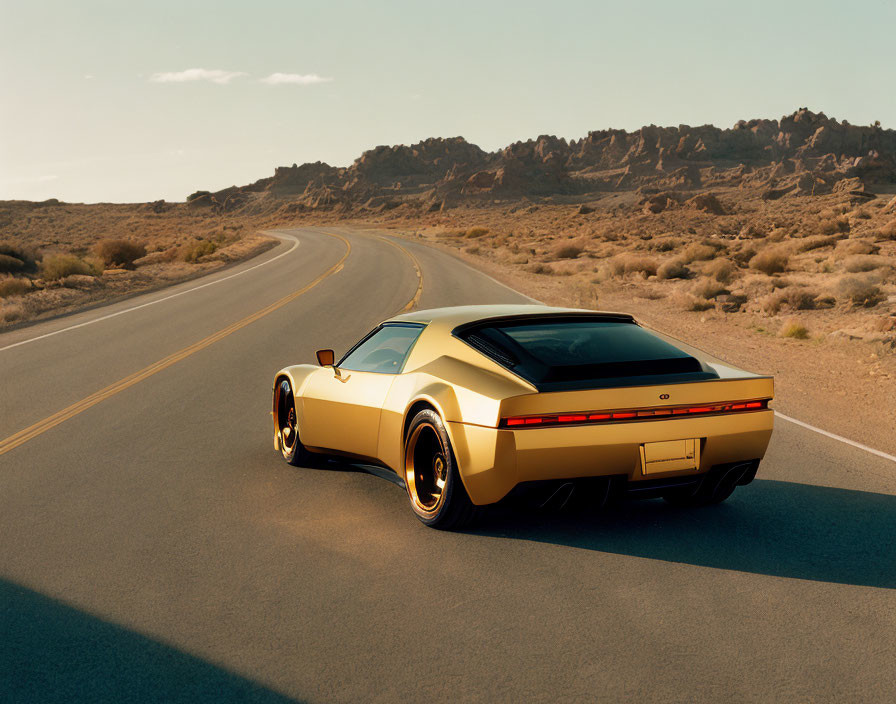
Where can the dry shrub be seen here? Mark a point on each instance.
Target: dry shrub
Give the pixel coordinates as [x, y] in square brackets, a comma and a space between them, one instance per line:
[540, 268]
[673, 269]
[722, 270]
[119, 253]
[698, 252]
[847, 247]
[10, 265]
[612, 268]
[472, 250]
[799, 298]
[832, 226]
[771, 261]
[11, 312]
[859, 290]
[635, 263]
[12, 286]
[58, 266]
[475, 232]
[707, 288]
[195, 250]
[816, 242]
[865, 262]
[568, 250]
[16, 257]
[795, 330]
[888, 231]
[666, 244]
[686, 301]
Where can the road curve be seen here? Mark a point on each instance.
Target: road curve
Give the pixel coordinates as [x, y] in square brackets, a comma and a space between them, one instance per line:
[154, 547]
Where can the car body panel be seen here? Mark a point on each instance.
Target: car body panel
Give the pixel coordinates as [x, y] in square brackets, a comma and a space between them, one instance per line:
[366, 414]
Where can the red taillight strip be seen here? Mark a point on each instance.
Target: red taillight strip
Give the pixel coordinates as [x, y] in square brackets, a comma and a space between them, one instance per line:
[631, 414]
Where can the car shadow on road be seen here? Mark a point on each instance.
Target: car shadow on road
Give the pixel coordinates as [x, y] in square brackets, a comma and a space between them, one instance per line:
[770, 527]
[52, 652]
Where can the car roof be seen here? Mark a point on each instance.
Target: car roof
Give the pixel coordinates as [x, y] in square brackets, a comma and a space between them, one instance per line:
[454, 316]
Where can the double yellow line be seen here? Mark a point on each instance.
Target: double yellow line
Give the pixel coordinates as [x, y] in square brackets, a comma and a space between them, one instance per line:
[416, 298]
[32, 431]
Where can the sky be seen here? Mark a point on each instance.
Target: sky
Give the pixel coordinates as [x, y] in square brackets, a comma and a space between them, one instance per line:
[137, 101]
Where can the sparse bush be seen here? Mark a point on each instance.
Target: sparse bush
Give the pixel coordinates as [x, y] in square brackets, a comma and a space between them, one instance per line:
[799, 298]
[540, 268]
[634, 263]
[834, 225]
[193, 251]
[722, 270]
[475, 232]
[707, 288]
[859, 290]
[698, 252]
[12, 286]
[771, 261]
[888, 231]
[673, 269]
[10, 265]
[865, 262]
[568, 250]
[19, 253]
[472, 250]
[686, 301]
[58, 266]
[612, 268]
[119, 253]
[11, 312]
[795, 330]
[847, 247]
[666, 244]
[816, 242]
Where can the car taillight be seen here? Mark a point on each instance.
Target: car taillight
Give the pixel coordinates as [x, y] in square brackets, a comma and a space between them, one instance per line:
[631, 414]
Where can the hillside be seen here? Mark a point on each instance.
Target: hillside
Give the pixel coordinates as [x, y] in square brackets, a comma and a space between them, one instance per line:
[804, 153]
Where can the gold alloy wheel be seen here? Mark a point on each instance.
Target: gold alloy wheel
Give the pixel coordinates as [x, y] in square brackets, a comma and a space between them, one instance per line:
[426, 468]
[286, 417]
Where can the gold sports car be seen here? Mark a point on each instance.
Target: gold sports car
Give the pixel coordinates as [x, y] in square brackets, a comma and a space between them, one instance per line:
[472, 403]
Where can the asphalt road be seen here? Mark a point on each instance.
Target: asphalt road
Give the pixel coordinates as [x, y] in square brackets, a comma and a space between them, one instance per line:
[154, 547]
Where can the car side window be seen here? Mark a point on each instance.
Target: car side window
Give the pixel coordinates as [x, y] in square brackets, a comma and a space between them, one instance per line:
[384, 351]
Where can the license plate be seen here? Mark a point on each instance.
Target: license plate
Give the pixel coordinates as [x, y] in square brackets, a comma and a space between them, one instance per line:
[670, 456]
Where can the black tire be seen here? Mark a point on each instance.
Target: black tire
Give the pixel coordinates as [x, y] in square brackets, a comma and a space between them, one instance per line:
[435, 489]
[286, 427]
[717, 485]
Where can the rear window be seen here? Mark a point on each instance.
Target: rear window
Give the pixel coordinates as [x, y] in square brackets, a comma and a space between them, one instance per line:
[581, 352]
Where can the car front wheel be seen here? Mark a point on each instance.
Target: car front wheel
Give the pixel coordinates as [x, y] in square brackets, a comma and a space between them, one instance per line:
[286, 426]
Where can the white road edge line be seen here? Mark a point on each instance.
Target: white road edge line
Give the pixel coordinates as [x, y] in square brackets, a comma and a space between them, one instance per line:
[295, 244]
[834, 436]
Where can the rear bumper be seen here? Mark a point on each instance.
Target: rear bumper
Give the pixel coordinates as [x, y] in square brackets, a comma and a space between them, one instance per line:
[492, 461]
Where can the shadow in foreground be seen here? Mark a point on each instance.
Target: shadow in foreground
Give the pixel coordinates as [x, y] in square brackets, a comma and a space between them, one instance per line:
[50, 652]
[776, 528]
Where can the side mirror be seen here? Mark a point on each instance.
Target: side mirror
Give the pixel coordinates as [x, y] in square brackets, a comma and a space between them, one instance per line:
[326, 358]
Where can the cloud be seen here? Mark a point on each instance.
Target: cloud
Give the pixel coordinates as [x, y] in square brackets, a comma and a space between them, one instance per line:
[197, 74]
[277, 79]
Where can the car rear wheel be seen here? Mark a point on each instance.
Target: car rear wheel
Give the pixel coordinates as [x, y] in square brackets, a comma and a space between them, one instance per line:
[287, 427]
[437, 494]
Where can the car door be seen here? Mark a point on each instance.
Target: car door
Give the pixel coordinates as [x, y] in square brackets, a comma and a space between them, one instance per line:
[342, 404]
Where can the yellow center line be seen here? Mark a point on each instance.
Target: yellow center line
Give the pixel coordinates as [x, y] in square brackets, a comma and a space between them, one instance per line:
[32, 431]
[416, 298]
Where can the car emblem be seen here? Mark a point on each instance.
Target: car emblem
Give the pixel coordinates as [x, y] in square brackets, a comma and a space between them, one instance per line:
[664, 396]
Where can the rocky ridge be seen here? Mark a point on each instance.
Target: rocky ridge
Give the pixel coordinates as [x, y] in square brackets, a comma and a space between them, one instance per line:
[802, 154]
